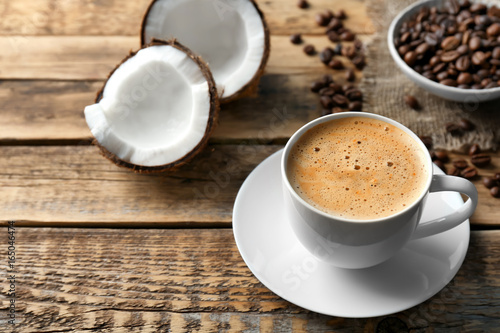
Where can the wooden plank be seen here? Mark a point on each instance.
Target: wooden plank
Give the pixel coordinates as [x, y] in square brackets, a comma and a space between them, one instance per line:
[93, 57]
[105, 18]
[65, 185]
[103, 280]
[75, 185]
[53, 110]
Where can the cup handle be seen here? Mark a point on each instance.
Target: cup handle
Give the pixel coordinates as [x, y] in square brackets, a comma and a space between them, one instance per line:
[449, 183]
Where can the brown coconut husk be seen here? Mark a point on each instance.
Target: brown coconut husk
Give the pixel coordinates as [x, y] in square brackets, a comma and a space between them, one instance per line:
[251, 87]
[212, 119]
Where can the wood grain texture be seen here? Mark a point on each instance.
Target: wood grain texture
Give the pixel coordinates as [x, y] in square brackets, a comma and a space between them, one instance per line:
[75, 185]
[108, 18]
[119, 280]
[93, 57]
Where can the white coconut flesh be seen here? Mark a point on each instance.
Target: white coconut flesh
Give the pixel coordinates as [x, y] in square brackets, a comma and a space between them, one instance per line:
[154, 108]
[228, 35]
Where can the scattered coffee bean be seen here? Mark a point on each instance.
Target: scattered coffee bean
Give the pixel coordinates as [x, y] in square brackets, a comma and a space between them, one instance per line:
[334, 25]
[321, 19]
[333, 36]
[316, 86]
[347, 36]
[489, 182]
[327, 79]
[349, 75]
[355, 106]
[427, 141]
[497, 176]
[336, 64]
[495, 192]
[474, 149]
[340, 100]
[465, 124]
[442, 156]
[460, 164]
[326, 101]
[469, 172]
[480, 160]
[326, 55]
[341, 14]
[336, 109]
[440, 165]
[327, 91]
[412, 102]
[453, 129]
[309, 49]
[302, 4]
[296, 38]
[354, 94]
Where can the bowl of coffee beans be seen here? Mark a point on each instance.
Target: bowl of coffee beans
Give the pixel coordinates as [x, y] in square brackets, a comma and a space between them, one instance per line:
[450, 48]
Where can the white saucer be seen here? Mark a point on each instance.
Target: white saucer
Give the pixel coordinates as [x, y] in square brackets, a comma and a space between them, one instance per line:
[270, 249]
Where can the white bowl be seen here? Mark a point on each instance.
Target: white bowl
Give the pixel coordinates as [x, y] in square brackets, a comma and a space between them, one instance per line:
[446, 92]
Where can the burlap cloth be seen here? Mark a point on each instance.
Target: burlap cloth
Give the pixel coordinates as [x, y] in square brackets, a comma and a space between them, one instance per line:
[385, 86]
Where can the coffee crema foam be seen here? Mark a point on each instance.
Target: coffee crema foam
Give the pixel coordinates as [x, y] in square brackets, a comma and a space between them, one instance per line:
[357, 168]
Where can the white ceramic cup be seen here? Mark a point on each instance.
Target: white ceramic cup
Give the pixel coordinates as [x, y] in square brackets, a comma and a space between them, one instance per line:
[351, 243]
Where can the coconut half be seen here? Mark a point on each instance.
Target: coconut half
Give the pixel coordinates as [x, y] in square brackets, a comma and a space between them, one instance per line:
[156, 110]
[231, 36]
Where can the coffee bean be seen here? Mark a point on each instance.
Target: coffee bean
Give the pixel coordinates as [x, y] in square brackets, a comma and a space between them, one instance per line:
[491, 85]
[479, 58]
[328, 14]
[442, 76]
[317, 86]
[341, 14]
[497, 176]
[465, 124]
[349, 52]
[326, 101]
[347, 36]
[327, 91]
[474, 43]
[354, 94]
[334, 25]
[463, 86]
[495, 192]
[478, 8]
[463, 63]
[463, 49]
[474, 149]
[340, 100]
[359, 61]
[309, 49]
[326, 55]
[460, 164]
[336, 109]
[336, 64]
[489, 182]
[302, 4]
[480, 160]
[450, 56]
[440, 165]
[333, 36]
[427, 141]
[469, 172]
[296, 38]
[464, 78]
[349, 75]
[410, 58]
[346, 87]
[494, 11]
[439, 67]
[442, 156]
[422, 48]
[493, 30]
[450, 43]
[321, 19]
[327, 79]
[337, 88]
[338, 49]
[449, 82]
[355, 106]
[454, 172]
[412, 102]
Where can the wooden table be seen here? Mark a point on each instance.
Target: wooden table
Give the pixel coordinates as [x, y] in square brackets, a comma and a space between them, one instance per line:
[101, 249]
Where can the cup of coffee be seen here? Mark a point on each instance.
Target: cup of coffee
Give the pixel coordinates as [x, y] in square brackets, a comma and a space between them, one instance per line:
[355, 185]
